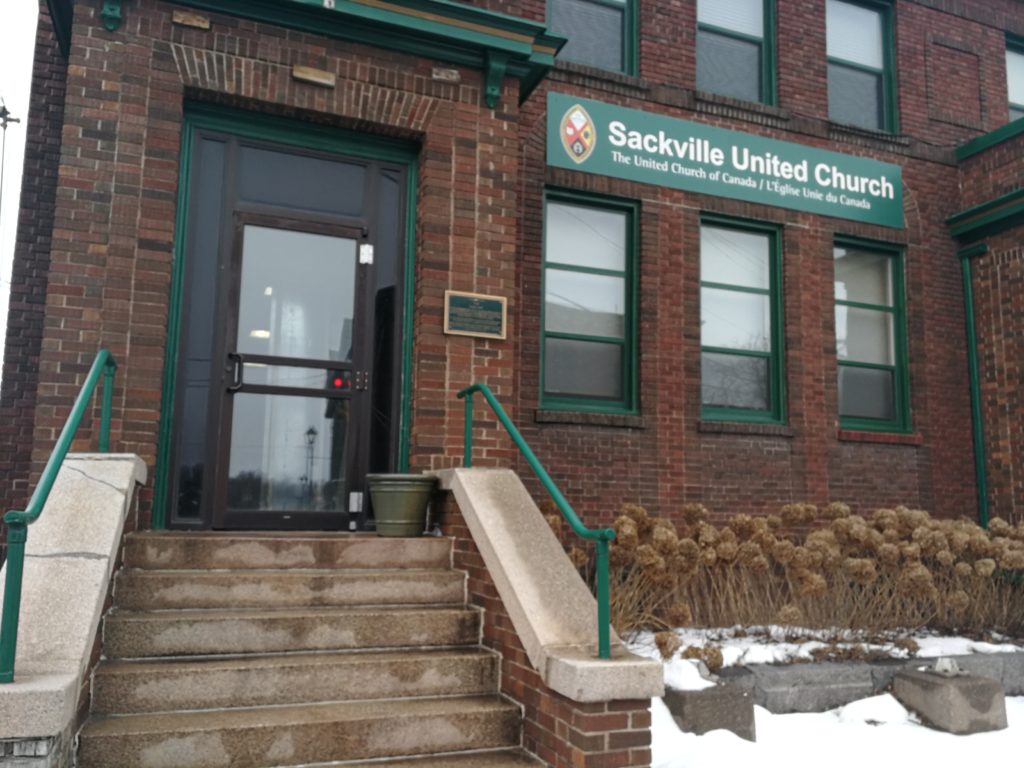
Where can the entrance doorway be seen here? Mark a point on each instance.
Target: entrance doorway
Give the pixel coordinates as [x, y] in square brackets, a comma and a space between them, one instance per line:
[289, 356]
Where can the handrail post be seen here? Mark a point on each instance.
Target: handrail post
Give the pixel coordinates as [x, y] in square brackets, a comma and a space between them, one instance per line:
[603, 599]
[17, 533]
[467, 435]
[108, 403]
[600, 537]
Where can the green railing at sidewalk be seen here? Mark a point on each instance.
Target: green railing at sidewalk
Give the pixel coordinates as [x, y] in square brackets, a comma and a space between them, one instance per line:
[18, 522]
[600, 536]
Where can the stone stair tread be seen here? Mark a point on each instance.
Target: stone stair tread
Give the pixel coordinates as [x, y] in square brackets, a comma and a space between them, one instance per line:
[503, 759]
[277, 550]
[277, 660]
[200, 721]
[227, 614]
[159, 589]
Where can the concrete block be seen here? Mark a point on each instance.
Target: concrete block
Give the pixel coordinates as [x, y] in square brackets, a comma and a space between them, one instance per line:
[552, 610]
[810, 687]
[882, 672]
[1013, 674]
[722, 707]
[962, 704]
[988, 665]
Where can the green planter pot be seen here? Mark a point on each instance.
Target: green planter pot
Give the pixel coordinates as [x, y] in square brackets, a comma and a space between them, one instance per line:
[400, 503]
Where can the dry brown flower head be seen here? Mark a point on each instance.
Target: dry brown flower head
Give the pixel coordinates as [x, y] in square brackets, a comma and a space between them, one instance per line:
[694, 513]
[985, 567]
[668, 643]
[678, 615]
[790, 614]
[711, 655]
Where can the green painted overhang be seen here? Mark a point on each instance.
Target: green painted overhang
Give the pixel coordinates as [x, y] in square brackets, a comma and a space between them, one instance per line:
[499, 44]
[988, 218]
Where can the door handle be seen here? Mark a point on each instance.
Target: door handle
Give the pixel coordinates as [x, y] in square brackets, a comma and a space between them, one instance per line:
[237, 365]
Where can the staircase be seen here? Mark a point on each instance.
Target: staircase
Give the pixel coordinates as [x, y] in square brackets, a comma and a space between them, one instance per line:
[251, 650]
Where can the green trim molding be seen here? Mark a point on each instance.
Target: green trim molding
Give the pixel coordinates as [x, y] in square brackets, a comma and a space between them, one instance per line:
[990, 217]
[974, 376]
[989, 140]
[498, 44]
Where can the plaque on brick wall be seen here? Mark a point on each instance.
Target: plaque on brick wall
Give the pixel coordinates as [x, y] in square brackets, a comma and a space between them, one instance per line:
[474, 314]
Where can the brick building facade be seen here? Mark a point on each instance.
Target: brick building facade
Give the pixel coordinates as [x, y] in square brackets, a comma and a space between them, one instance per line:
[627, 392]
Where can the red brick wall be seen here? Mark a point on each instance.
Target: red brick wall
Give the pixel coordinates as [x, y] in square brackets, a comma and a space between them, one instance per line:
[481, 179]
[31, 264]
[114, 234]
[998, 277]
[951, 86]
[561, 732]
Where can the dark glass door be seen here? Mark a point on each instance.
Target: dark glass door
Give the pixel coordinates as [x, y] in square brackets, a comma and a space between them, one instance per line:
[295, 394]
[288, 365]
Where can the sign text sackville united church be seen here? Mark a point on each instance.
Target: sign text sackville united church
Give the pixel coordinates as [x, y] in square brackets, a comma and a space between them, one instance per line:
[602, 138]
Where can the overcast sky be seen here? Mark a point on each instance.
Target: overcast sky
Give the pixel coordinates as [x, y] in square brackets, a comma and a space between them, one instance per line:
[17, 39]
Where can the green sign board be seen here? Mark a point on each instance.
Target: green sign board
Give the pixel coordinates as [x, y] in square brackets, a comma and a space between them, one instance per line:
[591, 136]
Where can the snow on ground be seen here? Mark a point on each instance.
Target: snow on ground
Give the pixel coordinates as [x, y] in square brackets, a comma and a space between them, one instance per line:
[876, 732]
[777, 645]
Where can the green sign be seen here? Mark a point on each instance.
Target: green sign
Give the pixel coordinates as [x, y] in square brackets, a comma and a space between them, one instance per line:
[595, 137]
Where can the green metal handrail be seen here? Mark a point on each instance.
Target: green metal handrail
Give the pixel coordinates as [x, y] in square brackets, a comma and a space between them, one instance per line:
[18, 522]
[600, 536]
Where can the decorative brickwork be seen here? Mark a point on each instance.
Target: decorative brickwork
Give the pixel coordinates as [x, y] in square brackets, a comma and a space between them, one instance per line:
[561, 732]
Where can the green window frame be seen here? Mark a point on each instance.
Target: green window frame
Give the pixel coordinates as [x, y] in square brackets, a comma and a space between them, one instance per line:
[722, 301]
[720, 30]
[862, 320]
[588, 310]
[1015, 77]
[852, 67]
[574, 18]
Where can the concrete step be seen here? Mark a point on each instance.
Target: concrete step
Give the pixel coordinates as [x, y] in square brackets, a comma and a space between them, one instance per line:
[501, 759]
[159, 590]
[130, 687]
[199, 550]
[130, 634]
[297, 735]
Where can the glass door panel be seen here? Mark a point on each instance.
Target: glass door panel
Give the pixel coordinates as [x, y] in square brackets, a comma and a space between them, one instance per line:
[297, 294]
[288, 454]
[294, 399]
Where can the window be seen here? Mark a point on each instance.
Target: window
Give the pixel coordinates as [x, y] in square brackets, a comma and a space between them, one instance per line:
[1015, 79]
[871, 338]
[861, 88]
[600, 32]
[734, 49]
[740, 322]
[588, 326]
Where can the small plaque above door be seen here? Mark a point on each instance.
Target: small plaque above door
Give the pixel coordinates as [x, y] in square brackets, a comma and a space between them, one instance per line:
[474, 314]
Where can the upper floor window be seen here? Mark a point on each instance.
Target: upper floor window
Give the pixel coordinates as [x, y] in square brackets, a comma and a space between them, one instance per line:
[1015, 79]
[588, 326]
[734, 49]
[861, 87]
[871, 338]
[740, 321]
[600, 32]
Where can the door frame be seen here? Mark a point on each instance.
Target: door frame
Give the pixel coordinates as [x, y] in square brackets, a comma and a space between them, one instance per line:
[294, 134]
